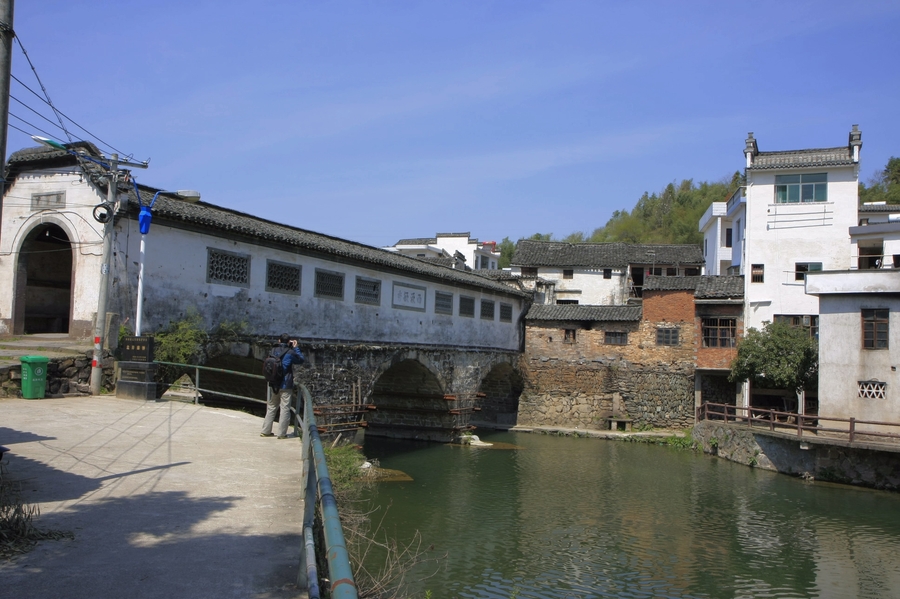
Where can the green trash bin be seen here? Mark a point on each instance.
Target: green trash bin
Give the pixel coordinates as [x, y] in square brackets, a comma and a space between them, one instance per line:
[34, 376]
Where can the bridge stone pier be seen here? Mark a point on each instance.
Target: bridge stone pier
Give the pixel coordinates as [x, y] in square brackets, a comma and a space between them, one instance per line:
[425, 393]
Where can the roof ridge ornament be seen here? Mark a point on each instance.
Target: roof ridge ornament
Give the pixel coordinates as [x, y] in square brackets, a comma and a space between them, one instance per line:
[751, 149]
[855, 143]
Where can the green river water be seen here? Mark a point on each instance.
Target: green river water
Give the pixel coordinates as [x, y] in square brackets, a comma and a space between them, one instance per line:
[545, 516]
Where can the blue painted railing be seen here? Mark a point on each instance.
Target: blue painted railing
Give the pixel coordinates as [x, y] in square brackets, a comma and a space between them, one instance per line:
[318, 491]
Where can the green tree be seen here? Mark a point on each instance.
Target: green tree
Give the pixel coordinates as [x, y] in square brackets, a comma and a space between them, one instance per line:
[884, 186]
[542, 237]
[780, 357]
[507, 249]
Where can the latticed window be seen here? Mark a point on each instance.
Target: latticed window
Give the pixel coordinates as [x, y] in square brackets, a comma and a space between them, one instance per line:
[719, 332]
[329, 284]
[875, 328]
[466, 306]
[505, 313]
[282, 277]
[487, 309]
[227, 268]
[871, 389]
[615, 338]
[443, 302]
[667, 336]
[368, 291]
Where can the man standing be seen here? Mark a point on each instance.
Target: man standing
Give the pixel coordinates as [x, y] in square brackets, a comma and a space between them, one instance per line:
[289, 354]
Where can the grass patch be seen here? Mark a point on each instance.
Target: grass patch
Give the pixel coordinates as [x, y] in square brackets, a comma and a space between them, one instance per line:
[17, 531]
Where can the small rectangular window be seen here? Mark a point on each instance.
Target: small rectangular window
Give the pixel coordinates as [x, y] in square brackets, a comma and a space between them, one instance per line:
[569, 336]
[875, 328]
[487, 309]
[671, 271]
[329, 284]
[657, 271]
[561, 302]
[568, 273]
[368, 291]
[443, 302]
[227, 268]
[719, 332]
[607, 273]
[871, 389]
[692, 271]
[282, 277]
[801, 268]
[757, 273]
[529, 271]
[615, 338]
[467, 306]
[667, 336]
[728, 233]
[506, 312]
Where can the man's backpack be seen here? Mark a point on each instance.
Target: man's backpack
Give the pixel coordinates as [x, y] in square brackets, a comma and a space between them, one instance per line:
[273, 368]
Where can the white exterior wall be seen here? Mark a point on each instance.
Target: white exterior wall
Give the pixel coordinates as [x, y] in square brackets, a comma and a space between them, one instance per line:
[713, 224]
[175, 280]
[75, 219]
[587, 285]
[842, 360]
[780, 235]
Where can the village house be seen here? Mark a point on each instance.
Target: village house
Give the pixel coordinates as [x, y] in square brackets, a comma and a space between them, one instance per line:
[456, 250]
[601, 273]
[647, 364]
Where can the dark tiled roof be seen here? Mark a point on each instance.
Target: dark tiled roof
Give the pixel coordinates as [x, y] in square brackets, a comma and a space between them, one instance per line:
[602, 255]
[880, 208]
[656, 283]
[230, 222]
[417, 241]
[803, 158]
[584, 313]
[720, 287]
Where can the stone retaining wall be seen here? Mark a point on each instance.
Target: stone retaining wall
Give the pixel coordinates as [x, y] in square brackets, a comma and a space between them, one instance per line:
[848, 465]
[65, 376]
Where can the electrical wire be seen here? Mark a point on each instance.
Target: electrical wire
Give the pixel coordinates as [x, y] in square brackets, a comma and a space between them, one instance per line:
[43, 89]
[12, 97]
[32, 125]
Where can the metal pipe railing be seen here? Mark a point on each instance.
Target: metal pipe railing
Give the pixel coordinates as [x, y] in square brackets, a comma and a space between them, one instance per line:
[197, 389]
[314, 473]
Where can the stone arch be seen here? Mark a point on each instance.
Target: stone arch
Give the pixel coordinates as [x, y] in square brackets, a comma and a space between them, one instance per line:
[409, 403]
[43, 281]
[498, 397]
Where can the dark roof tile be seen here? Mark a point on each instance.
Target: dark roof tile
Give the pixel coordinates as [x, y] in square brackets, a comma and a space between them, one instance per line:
[720, 287]
[821, 157]
[599, 255]
[583, 313]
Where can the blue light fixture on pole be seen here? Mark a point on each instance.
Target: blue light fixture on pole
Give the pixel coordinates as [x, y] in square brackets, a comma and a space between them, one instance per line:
[145, 216]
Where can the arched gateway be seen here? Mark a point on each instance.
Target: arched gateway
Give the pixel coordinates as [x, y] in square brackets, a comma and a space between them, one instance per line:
[43, 282]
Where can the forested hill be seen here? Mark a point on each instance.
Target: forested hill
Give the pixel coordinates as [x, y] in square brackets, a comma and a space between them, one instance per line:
[671, 216]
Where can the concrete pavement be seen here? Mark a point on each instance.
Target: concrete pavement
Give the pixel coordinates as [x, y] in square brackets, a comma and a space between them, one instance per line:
[165, 499]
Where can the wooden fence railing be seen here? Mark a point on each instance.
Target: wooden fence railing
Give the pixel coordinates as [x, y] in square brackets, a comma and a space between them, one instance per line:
[801, 425]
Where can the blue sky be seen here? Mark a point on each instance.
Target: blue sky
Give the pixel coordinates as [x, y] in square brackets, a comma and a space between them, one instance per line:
[374, 121]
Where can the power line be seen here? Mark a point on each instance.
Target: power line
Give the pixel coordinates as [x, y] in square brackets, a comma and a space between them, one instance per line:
[43, 89]
[33, 110]
[33, 126]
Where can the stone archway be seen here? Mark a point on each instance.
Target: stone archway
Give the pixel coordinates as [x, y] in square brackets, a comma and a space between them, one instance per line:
[43, 294]
[409, 404]
[498, 398]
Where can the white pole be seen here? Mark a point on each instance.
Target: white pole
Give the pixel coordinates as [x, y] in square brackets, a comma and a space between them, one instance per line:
[140, 289]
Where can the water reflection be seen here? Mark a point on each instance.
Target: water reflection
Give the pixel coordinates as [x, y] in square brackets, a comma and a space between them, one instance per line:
[565, 517]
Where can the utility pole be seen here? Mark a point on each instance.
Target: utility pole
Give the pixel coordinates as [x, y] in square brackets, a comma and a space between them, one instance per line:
[6, 40]
[100, 319]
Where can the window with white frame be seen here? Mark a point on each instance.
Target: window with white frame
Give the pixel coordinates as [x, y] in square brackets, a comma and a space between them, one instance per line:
[871, 389]
[810, 187]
